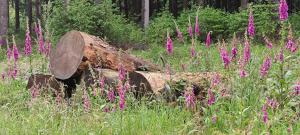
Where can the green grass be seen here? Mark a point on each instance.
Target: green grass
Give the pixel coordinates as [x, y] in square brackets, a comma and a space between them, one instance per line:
[239, 113]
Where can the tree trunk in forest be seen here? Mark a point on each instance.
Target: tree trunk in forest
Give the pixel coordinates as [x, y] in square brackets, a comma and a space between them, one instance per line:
[174, 7]
[38, 10]
[97, 2]
[185, 4]
[4, 21]
[76, 51]
[244, 4]
[200, 2]
[145, 13]
[29, 13]
[17, 16]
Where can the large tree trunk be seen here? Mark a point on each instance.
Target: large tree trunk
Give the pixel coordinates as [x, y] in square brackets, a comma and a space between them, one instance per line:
[77, 51]
[29, 13]
[4, 20]
[145, 13]
[17, 16]
[38, 10]
[244, 4]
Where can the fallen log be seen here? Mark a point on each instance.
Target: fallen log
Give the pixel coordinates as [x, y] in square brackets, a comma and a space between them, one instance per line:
[78, 50]
[46, 82]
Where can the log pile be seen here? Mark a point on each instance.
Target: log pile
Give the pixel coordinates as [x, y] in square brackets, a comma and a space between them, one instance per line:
[80, 58]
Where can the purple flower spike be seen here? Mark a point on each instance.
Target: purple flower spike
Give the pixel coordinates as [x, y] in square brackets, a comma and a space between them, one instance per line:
[86, 101]
[190, 99]
[211, 97]
[197, 31]
[208, 40]
[265, 67]
[169, 45]
[283, 10]
[251, 28]
[247, 52]
[225, 57]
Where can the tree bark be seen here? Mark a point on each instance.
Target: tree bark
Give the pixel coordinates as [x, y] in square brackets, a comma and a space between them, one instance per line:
[244, 4]
[145, 13]
[29, 13]
[76, 51]
[17, 16]
[38, 10]
[4, 21]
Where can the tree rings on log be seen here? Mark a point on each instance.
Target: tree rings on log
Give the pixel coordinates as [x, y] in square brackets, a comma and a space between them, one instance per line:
[78, 50]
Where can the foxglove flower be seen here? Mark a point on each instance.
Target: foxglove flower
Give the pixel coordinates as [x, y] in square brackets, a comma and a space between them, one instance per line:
[3, 76]
[16, 52]
[208, 40]
[268, 43]
[215, 80]
[265, 67]
[272, 103]
[214, 119]
[247, 52]
[265, 114]
[28, 48]
[251, 28]
[283, 10]
[243, 72]
[86, 101]
[122, 72]
[111, 96]
[211, 97]
[234, 53]
[190, 99]
[297, 89]
[169, 45]
[121, 93]
[197, 31]
[8, 53]
[225, 57]
[193, 52]
[190, 29]
[39, 33]
[179, 33]
[102, 85]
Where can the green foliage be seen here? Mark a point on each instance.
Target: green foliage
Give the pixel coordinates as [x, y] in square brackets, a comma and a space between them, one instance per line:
[158, 27]
[294, 20]
[99, 20]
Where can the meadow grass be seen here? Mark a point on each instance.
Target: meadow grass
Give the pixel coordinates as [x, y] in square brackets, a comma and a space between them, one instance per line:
[239, 113]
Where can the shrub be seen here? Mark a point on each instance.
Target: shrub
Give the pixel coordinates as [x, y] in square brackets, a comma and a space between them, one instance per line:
[294, 20]
[158, 27]
[101, 20]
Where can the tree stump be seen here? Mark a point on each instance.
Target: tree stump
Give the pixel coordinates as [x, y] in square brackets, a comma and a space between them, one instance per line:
[78, 50]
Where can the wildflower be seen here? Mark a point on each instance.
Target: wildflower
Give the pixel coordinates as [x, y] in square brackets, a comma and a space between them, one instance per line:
[179, 33]
[169, 45]
[94, 91]
[289, 130]
[8, 53]
[39, 33]
[251, 28]
[265, 67]
[243, 72]
[111, 95]
[106, 109]
[280, 56]
[265, 114]
[225, 57]
[193, 52]
[283, 10]
[122, 98]
[86, 101]
[58, 98]
[102, 85]
[268, 43]
[28, 49]
[197, 32]
[16, 52]
[234, 53]
[211, 97]
[208, 40]
[297, 89]
[290, 45]
[48, 49]
[272, 103]
[3, 76]
[247, 51]
[214, 119]
[190, 29]
[215, 80]
[34, 92]
[122, 72]
[190, 99]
